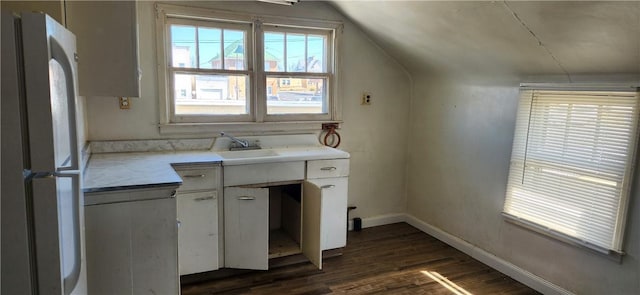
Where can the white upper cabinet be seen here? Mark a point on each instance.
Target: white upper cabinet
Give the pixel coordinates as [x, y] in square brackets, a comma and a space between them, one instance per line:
[54, 9]
[107, 44]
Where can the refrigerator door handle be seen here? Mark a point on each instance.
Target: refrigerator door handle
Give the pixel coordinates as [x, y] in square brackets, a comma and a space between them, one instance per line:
[71, 280]
[58, 53]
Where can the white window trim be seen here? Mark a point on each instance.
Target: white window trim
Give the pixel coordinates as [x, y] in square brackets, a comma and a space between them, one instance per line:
[616, 252]
[258, 120]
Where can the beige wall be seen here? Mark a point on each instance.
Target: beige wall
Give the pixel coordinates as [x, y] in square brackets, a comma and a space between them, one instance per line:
[439, 151]
[461, 138]
[374, 135]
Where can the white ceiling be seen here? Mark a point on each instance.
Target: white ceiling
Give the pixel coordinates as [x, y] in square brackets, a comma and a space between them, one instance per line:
[516, 38]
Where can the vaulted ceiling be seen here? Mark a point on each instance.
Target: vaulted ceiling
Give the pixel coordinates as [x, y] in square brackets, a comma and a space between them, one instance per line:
[516, 38]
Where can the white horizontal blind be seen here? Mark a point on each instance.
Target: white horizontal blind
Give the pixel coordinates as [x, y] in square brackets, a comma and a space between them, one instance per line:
[572, 162]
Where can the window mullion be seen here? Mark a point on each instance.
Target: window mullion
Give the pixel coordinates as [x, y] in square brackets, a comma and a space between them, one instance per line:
[197, 53]
[259, 98]
[298, 75]
[285, 52]
[222, 65]
[306, 54]
[209, 71]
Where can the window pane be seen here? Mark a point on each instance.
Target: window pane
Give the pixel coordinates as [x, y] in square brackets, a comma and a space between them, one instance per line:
[234, 58]
[315, 54]
[274, 52]
[296, 96]
[183, 46]
[210, 94]
[296, 53]
[209, 41]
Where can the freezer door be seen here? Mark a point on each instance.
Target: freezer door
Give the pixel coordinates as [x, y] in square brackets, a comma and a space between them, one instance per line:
[50, 82]
[58, 208]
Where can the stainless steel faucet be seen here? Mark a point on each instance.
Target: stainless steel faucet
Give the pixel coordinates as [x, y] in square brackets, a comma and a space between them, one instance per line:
[243, 143]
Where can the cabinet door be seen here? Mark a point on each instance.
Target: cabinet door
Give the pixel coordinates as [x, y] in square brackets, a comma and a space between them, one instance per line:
[312, 223]
[131, 247]
[108, 246]
[154, 247]
[107, 41]
[246, 228]
[334, 211]
[198, 232]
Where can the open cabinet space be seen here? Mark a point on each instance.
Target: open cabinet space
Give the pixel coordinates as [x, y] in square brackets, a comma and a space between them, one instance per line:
[271, 222]
[285, 216]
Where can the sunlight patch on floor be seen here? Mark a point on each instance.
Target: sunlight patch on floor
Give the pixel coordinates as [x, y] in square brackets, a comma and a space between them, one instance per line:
[446, 283]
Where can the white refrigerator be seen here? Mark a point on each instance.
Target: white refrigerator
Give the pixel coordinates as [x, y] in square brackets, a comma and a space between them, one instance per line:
[42, 201]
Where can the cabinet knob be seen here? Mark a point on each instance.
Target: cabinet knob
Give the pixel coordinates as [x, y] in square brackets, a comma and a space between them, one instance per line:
[195, 176]
[203, 198]
[327, 186]
[246, 198]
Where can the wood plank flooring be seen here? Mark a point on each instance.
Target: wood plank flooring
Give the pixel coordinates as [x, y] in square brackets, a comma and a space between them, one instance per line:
[390, 259]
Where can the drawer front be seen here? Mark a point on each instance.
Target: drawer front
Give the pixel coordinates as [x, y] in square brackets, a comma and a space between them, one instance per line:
[263, 173]
[327, 168]
[199, 179]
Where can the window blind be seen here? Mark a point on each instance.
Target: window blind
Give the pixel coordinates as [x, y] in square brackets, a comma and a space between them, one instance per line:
[571, 164]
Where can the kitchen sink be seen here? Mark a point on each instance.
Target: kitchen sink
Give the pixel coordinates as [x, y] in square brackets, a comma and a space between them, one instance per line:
[248, 154]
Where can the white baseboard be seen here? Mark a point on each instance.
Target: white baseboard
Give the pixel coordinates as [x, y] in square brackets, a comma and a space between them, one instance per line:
[380, 220]
[535, 282]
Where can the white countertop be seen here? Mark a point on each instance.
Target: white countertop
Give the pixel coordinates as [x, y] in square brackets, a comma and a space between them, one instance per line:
[118, 171]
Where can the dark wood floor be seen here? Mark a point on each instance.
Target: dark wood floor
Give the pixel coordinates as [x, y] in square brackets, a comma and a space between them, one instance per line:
[390, 259]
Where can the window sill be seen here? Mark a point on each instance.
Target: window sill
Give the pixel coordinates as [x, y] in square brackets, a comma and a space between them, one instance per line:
[243, 128]
[609, 254]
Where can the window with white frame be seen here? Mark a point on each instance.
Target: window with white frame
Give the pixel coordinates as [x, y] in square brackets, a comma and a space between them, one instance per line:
[571, 164]
[221, 67]
[297, 75]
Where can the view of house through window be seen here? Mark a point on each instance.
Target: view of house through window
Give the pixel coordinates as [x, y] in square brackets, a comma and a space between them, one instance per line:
[246, 69]
[196, 52]
[303, 58]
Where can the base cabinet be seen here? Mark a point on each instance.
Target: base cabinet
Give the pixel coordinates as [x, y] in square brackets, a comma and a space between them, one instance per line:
[332, 178]
[131, 245]
[200, 232]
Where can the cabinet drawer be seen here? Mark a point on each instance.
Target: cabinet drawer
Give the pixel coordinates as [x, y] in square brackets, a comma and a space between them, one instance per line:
[327, 168]
[263, 173]
[198, 179]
